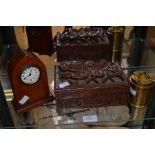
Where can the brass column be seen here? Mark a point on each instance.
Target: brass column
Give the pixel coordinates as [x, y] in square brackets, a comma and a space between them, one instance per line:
[140, 87]
[141, 84]
[116, 35]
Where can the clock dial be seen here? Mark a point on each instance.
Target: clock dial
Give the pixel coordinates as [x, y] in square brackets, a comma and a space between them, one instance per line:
[30, 75]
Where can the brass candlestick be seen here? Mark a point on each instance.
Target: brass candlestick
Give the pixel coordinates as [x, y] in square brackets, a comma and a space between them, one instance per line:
[116, 34]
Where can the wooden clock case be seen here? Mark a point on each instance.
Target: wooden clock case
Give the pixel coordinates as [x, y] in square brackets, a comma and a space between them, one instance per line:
[38, 93]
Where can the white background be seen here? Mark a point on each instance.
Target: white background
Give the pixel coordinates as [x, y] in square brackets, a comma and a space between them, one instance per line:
[77, 12]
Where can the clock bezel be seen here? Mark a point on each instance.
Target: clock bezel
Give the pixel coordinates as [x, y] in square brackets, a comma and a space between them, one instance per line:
[24, 68]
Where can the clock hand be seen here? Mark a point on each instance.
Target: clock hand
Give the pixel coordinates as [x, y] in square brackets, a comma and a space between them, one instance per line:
[29, 74]
[26, 77]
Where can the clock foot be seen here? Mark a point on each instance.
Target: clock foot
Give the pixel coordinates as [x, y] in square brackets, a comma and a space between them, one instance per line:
[28, 106]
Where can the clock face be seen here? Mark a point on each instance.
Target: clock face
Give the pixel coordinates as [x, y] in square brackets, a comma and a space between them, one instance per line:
[30, 74]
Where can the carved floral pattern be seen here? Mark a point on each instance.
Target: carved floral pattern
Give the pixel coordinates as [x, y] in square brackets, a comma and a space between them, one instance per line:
[90, 73]
[83, 35]
[77, 72]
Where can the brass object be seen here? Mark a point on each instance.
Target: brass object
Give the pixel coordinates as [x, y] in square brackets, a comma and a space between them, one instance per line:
[137, 116]
[116, 34]
[141, 84]
[8, 95]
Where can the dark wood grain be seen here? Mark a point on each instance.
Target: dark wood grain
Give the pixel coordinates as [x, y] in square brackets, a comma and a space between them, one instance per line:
[83, 44]
[104, 85]
[40, 39]
[38, 92]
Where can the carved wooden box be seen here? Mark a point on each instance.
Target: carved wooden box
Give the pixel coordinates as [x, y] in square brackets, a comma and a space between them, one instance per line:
[83, 44]
[88, 84]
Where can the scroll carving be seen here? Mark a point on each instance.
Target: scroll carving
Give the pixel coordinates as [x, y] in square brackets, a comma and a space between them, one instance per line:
[81, 36]
[91, 84]
[85, 72]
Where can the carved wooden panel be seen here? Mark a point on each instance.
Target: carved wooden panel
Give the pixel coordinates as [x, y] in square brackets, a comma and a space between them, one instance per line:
[83, 44]
[90, 84]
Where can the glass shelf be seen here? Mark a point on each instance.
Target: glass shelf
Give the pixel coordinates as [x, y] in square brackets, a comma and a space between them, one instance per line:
[46, 116]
